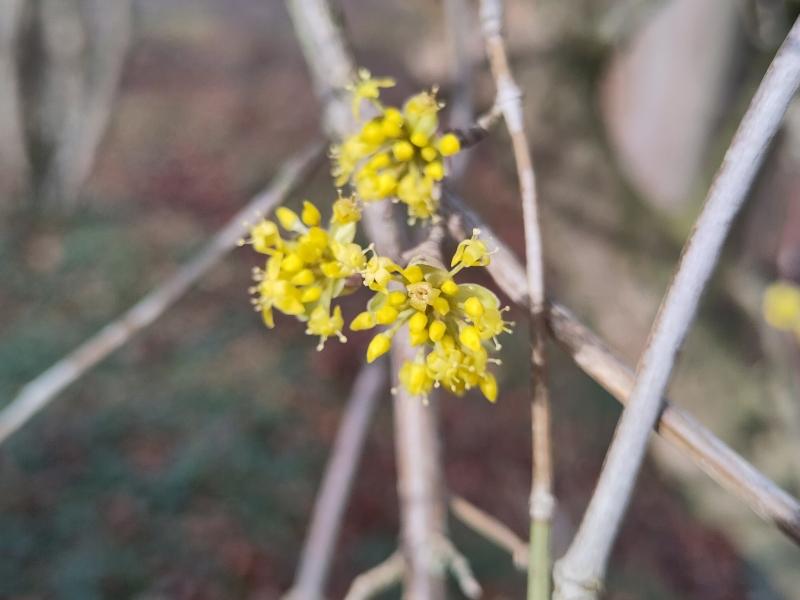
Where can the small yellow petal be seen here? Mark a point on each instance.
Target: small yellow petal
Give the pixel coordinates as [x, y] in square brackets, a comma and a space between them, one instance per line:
[397, 298]
[417, 322]
[386, 315]
[449, 144]
[413, 273]
[379, 346]
[449, 287]
[437, 330]
[419, 139]
[287, 218]
[303, 277]
[489, 387]
[470, 338]
[311, 294]
[429, 153]
[403, 151]
[418, 338]
[473, 307]
[310, 214]
[364, 320]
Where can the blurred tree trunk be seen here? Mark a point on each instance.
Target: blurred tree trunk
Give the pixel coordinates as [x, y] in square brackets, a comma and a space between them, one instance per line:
[69, 62]
[13, 149]
[663, 95]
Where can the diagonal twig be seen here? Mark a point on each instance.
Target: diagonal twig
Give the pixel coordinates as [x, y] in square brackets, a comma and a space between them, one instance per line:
[378, 579]
[542, 501]
[580, 573]
[762, 495]
[39, 392]
[490, 528]
[326, 519]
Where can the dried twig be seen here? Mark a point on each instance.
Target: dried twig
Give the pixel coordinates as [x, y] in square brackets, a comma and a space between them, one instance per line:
[714, 457]
[579, 574]
[326, 520]
[542, 501]
[378, 578]
[38, 393]
[491, 528]
[459, 567]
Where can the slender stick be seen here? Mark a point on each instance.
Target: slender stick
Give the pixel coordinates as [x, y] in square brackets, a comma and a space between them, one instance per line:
[490, 528]
[580, 573]
[38, 393]
[418, 457]
[378, 579]
[542, 501]
[762, 495]
[326, 519]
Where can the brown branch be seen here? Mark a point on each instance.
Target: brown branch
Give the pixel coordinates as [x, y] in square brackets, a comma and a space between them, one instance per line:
[492, 529]
[709, 453]
[38, 393]
[542, 500]
[329, 507]
[378, 579]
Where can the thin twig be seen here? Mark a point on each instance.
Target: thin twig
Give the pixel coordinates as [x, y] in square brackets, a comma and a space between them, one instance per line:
[378, 579]
[38, 393]
[326, 519]
[458, 565]
[492, 529]
[580, 573]
[542, 501]
[418, 455]
[762, 495]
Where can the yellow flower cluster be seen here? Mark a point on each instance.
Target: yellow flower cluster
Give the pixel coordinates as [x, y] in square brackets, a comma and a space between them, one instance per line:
[306, 271]
[453, 324]
[397, 154]
[781, 306]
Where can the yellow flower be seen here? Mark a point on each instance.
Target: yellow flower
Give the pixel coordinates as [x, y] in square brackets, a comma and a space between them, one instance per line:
[451, 324]
[781, 306]
[397, 154]
[346, 210]
[471, 253]
[367, 88]
[308, 269]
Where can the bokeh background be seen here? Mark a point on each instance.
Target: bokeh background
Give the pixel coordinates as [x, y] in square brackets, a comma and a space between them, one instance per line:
[186, 464]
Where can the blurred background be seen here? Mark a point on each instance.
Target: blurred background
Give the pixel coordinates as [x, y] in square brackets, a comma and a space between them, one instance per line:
[185, 465]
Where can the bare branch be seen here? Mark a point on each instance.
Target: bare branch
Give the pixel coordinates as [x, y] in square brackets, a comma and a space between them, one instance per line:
[329, 507]
[38, 393]
[542, 500]
[579, 574]
[419, 483]
[459, 567]
[419, 470]
[709, 453]
[492, 529]
[377, 579]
